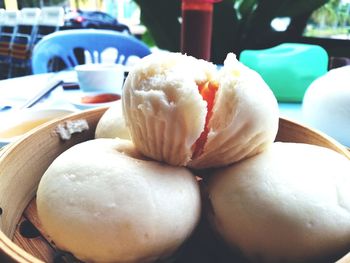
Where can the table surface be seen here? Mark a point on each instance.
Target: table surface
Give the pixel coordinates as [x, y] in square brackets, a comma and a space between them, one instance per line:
[16, 91]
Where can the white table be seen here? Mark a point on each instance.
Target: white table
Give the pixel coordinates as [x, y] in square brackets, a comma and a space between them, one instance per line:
[17, 90]
[291, 111]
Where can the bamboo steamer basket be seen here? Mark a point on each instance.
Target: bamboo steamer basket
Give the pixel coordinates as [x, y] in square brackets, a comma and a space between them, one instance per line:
[23, 163]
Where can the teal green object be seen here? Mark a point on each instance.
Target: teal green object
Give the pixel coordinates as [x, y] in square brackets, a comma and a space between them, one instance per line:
[288, 68]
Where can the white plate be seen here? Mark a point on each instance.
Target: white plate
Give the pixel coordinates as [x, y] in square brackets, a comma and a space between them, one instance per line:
[76, 98]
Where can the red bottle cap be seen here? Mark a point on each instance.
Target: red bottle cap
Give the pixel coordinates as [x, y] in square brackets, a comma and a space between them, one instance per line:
[202, 1]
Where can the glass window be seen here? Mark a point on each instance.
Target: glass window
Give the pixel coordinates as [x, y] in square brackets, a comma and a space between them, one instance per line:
[332, 20]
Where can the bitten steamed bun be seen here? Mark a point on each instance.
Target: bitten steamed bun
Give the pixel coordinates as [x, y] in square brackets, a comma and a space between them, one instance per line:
[112, 123]
[185, 112]
[104, 202]
[290, 203]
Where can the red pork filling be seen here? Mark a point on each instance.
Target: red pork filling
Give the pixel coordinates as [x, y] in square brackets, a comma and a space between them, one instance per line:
[208, 91]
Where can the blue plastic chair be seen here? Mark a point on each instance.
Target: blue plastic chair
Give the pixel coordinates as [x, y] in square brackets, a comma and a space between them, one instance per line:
[63, 45]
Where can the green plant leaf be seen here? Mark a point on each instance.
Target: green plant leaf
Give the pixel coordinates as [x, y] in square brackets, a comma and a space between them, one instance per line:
[257, 31]
[225, 36]
[148, 39]
[161, 17]
[246, 7]
[237, 24]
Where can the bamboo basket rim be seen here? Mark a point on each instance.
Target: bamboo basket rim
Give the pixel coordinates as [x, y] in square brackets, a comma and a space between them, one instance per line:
[317, 134]
[18, 254]
[7, 246]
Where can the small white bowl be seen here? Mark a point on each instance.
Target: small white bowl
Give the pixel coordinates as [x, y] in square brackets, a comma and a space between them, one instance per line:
[100, 77]
[16, 123]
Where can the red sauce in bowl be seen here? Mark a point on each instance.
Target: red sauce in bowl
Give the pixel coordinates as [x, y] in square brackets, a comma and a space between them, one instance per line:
[100, 98]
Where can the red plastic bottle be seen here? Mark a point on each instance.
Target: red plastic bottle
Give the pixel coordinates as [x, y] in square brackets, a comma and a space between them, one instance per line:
[196, 28]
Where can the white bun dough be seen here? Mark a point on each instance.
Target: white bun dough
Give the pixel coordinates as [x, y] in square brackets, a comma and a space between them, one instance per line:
[103, 202]
[112, 123]
[166, 113]
[290, 203]
[326, 104]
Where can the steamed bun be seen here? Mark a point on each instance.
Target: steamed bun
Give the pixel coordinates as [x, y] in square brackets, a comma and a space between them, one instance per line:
[112, 123]
[104, 202]
[290, 203]
[185, 112]
[326, 104]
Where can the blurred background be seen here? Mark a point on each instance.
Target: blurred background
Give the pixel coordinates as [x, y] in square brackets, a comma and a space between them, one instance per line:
[125, 11]
[237, 24]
